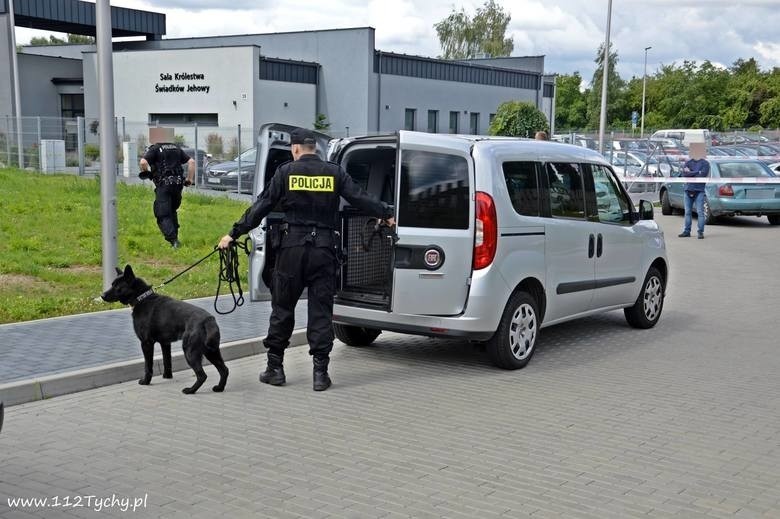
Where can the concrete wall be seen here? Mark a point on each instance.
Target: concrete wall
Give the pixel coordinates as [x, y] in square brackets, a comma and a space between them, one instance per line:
[346, 56]
[271, 96]
[58, 51]
[401, 92]
[40, 97]
[137, 76]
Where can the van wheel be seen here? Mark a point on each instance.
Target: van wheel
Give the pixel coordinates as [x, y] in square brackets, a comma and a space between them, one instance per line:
[513, 344]
[774, 219]
[647, 308]
[666, 207]
[355, 335]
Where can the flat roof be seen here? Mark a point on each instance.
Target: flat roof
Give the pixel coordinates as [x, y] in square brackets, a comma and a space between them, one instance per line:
[78, 17]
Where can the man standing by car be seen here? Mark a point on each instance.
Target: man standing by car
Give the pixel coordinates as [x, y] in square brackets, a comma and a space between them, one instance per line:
[696, 167]
[162, 163]
[309, 190]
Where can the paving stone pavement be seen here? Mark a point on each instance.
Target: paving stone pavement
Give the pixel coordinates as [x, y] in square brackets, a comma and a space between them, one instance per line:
[682, 420]
[49, 346]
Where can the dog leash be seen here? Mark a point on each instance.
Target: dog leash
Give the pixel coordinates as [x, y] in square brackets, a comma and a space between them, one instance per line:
[228, 272]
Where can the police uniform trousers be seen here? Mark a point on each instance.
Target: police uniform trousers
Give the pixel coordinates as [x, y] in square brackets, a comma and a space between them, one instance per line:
[167, 199]
[299, 266]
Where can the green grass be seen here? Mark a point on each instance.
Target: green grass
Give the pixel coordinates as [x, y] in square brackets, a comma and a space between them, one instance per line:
[50, 243]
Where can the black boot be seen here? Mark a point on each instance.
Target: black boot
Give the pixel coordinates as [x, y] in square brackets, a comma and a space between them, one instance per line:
[321, 378]
[274, 372]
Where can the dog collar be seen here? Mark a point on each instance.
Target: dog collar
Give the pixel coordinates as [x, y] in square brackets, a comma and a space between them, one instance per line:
[143, 296]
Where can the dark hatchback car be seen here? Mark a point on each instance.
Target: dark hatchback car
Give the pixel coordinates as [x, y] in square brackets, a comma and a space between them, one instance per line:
[225, 175]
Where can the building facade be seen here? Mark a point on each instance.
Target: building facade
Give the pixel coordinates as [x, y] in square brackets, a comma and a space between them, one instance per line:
[292, 77]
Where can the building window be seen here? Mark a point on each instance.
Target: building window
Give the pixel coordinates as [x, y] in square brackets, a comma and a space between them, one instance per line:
[410, 119]
[184, 119]
[433, 121]
[474, 123]
[490, 119]
[454, 117]
[72, 105]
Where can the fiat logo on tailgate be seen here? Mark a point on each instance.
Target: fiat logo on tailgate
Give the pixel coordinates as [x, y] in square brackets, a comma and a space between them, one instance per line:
[433, 258]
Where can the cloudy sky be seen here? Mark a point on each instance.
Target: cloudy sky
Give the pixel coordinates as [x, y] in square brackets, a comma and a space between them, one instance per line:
[568, 32]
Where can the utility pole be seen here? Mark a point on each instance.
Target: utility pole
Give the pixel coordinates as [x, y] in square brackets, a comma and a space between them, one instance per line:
[605, 75]
[17, 93]
[107, 140]
[644, 90]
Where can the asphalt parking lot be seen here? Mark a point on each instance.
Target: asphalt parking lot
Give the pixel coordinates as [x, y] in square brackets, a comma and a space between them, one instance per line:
[682, 420]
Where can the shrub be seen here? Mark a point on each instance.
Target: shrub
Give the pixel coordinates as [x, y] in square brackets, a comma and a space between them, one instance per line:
[142, 142]
[518, 119]
[92, 151]
[233, 151]
[179, 140]
[214, 144]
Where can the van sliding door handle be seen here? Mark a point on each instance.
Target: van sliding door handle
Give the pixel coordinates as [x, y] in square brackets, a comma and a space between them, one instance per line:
[599, 246]
[591, 245]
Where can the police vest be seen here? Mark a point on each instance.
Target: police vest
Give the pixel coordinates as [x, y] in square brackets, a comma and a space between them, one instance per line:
[168, 160]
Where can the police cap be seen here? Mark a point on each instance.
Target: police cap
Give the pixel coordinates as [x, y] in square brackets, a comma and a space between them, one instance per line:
[302, 136]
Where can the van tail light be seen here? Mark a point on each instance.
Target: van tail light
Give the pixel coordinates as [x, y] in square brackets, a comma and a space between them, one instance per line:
[726, 190]
[486, 236]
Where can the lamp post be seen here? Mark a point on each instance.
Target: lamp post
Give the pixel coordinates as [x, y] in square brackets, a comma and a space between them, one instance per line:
[644, 90]
[605, 75]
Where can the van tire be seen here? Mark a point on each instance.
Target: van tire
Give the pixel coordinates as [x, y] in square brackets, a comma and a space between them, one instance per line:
[355, 335]
[508, 339]
[650, 302]
[666, 206]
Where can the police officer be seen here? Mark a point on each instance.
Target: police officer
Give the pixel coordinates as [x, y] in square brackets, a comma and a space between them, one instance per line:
[163, 162]
[309, 190]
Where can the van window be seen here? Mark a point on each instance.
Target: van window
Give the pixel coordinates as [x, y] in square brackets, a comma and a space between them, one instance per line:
[567, 197]
[434, 190]
[523, 187]
[611, 204]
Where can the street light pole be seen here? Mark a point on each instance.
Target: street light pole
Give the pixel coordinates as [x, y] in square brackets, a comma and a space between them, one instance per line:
[605, 75]
[107, 139]
[644, 90]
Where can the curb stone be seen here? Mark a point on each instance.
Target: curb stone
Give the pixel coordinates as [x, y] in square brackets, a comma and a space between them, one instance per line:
[41, 388]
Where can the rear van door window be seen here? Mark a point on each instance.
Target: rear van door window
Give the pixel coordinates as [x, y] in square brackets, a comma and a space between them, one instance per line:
[434, 190]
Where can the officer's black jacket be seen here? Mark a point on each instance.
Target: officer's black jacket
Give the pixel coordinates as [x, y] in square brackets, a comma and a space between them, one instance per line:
[309, 190]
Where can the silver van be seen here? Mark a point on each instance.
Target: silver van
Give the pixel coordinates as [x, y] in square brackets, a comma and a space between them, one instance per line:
[497, 238]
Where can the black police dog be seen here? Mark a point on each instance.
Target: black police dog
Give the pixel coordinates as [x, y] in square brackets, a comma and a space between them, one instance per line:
[158, 318]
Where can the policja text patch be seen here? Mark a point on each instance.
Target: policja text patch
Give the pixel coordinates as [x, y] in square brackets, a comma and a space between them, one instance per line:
[307, 183]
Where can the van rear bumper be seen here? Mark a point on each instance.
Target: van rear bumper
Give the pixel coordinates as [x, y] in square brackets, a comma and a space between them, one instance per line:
[432, 326]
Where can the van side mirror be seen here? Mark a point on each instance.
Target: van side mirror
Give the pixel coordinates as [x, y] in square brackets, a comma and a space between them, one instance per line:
[645, 210]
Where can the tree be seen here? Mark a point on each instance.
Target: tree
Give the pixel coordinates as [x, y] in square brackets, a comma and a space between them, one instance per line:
[570, 106]
[617, 108]
[74, 39]
[321, 123]
[518, 119]
[464, 37]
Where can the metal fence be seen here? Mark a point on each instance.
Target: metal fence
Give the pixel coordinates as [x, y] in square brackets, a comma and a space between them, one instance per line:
[71, 145]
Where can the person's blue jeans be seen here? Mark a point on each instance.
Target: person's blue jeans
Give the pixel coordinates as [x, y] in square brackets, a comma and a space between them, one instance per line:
[700, 216]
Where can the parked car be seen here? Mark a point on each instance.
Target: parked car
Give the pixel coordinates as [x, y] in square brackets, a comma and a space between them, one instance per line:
[685, 136]
[224, 175]
[495, 240]
[201, 160]
[668, 146]
[730, 199]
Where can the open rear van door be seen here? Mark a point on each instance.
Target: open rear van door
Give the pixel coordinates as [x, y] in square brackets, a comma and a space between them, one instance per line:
[273, 150]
